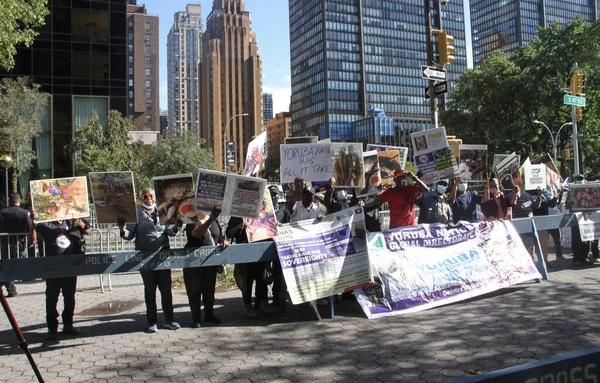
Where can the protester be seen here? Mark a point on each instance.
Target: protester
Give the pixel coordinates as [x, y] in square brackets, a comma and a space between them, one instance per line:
[401, 199]
[548, 201]
[151, 236]
[200, 282]
[15, 220]
[580, 248]
[434, 206]
[279, 286]
[336, 199]
[525, 204]
[59, 240]
[305, 206]
[465, 203]
[494, 205]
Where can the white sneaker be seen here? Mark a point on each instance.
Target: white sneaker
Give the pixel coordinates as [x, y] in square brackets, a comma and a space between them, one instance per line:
[152, 329]
[172, 325]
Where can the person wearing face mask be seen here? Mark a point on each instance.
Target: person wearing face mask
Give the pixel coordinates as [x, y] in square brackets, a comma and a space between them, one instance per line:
[465, 202]
[435, 205]
[494, 204]
[151, 236]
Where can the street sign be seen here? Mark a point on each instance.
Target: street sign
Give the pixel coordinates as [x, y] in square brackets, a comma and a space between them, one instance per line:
[440, 89]
[230, 153]
[574, 100]
[432, 73]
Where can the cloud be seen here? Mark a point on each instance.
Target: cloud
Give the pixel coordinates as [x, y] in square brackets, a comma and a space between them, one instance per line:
[281, 98]
[287, 79]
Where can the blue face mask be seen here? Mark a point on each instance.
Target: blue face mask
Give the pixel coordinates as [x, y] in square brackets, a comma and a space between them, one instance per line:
[441, 189]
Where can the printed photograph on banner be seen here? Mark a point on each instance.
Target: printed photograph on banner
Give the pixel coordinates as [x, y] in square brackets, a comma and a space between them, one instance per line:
[303, 140]
[498, 158]
[210, 189]
[348, 166]
[382, 148]
[585, 197]
[113, 195]
[472, 165]
[445, 162]
[311, 162]
[255, 155]
[265, 226]
[247, 197]
[174, 193]
[508, 173]
[372, 175]
[389, 162]
[60, 198]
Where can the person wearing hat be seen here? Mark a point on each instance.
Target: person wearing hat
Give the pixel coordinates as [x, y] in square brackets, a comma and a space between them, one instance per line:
[401, 199]
[434, 206]
[305, 207]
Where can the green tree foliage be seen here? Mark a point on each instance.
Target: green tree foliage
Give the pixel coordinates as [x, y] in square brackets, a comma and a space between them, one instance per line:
[497, 103]
[177, 155]
[22, 107]
[18, 20]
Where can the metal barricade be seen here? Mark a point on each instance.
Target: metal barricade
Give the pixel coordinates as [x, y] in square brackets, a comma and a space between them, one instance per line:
[14, 245]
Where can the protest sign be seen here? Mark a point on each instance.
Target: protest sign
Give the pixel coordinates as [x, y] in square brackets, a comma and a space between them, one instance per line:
[304, 140]
[589, 225]
[326, 258]
[347, 165]
[534, 176]
[383, 148]
[433, 156]
[59, 198]
[265, 226]
[585, 196]
[473, 163]
[389, 162]
[311, 162]
[498, 158]
[372, 175]
[237, 196]
[255, 155]
[547, 160]
[113, 194]
[175, 198]
[508, 173]
[462, 262]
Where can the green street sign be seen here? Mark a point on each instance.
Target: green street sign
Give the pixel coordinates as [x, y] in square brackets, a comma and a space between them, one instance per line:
[574, 100]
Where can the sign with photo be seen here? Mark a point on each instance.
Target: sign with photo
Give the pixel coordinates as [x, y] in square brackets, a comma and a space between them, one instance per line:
[113, 194]
[175, 198]
[60, 198]
[433, 156]
[473, 163]
[255, 155]
[498, 158]
[372, 175]
[389, 162]
[265, 226]
[585, 196]
[508, 172]
[382, 148]
[348, 167]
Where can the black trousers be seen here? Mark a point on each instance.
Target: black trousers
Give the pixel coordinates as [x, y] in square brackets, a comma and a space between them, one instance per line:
[162, 280]
[555, 233]
[278, 281]
[200, 285]
[256, 272]
[582, 249]
[53, 288]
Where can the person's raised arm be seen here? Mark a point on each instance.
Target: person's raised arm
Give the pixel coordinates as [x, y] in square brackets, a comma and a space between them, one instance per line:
[233, 228]
[126, 233]
[422, 187]
[200, 230]
[453, 191]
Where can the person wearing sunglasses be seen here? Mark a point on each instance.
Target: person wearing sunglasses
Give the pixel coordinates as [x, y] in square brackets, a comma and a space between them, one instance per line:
[151, 236]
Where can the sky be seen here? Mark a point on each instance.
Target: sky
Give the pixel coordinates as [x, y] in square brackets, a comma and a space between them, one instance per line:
[270, 23]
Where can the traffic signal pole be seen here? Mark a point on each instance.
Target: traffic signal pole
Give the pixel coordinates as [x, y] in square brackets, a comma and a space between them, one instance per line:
[430, 62]
[575, 134]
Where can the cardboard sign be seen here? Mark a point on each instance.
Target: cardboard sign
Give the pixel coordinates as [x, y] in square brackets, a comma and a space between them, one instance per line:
[433, 156]
[175, 198]
[473, 163]
[311, 162]
[508, 172]
[382, 148]
[389, 162]
[534, 176]
[113, 194]
[265, 226]
[585, 196]
[348, 165]
[60, 198]
[372, 175]
[255, 155]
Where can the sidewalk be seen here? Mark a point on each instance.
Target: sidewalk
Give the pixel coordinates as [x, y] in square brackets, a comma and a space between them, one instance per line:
[525, 323]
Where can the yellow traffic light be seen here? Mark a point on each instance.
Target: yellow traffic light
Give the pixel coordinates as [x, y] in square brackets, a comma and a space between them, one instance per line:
[577, 84]
[567, 154]
[446, 48]
[579, 113]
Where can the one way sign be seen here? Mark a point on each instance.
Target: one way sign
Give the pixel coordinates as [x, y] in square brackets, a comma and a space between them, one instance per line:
[440, 89]
[432, 73]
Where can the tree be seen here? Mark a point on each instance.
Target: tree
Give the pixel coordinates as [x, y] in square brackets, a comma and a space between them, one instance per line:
[22, 106]
[19, 18]
[177, 155]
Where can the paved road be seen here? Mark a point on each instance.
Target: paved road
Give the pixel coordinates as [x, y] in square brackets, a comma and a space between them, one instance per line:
[517, 325]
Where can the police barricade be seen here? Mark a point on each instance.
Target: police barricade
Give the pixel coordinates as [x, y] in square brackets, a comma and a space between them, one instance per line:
[15, 245]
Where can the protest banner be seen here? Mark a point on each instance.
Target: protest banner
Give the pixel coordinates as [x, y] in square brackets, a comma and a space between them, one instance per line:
[255, 155]
[585, 197]
[462, 262]
[326, 258]
[508, 173]
[389, 162]
[237, 196]
[473, 163]
[433, 156]
[265, 226]
[589, 225]
[175, 198]
[383, 148]
[498, 158]
[348, 166]
[534, 176]
[60, 198]
[372, 175]
[305, 140]
[113, 195]
[311, 162]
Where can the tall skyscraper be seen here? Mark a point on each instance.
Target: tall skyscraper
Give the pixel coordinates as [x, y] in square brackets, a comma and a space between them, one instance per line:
[507, 25]
[350, 57]
[230, 80]
[183, 57]
[267, 107]
[142, 67]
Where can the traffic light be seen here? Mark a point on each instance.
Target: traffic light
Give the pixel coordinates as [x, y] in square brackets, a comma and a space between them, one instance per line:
[577, 84]
[568, 154]
[579, 113]
[446, 48]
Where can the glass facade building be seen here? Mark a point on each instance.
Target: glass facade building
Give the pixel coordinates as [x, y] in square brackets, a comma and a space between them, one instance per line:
[350, 56]
[267, 100]
[508, 24]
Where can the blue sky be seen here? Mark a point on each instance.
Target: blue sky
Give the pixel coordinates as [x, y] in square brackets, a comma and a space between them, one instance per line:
[270, 22]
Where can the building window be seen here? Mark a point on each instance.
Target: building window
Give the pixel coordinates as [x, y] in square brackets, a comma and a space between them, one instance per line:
[131, 71]
[131, 59]
[148, 61]
[148, 118]
[131, 116]
[147, 71]
[148, 95]
[148, 37]
[130, 82]
[130, 94]
[148, 49]
[130, 47]
[131, 105]
[148, 107]
[148, 26]
[130, 23]
[148, 83]
[130, 35]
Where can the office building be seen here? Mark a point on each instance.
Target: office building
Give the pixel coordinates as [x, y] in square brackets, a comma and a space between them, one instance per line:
[507, 25]
[350, 57]
[183, 57]
[164, 123]
[142, 68]
[80, 59]
[230, 81]
[267, 100]
[278, 129]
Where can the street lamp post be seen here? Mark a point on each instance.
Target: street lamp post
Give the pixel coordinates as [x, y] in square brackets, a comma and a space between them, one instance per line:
[6, 162]
[225, 139]
[553, 137]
